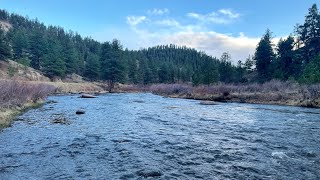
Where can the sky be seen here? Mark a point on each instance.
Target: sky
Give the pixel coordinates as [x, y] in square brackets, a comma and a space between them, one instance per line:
[212, 26]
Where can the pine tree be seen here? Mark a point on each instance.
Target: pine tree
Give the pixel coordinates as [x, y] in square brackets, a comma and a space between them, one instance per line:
[311, 74]
[309, 34]
[283, 65]
[38, 48]
[4, 46]
[263, 57]
[225, 68]
[113, 68]
[92, 68]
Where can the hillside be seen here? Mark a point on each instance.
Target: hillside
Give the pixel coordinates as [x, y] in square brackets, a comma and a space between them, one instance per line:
[13, 70]
[58, 54]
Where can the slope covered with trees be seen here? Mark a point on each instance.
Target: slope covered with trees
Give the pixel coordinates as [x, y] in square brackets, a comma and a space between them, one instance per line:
[58, 52]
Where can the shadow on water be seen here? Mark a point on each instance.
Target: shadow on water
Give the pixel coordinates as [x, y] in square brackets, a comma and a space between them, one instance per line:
[144, 136]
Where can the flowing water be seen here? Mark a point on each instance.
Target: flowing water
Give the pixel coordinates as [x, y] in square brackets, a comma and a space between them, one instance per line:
[144, 136]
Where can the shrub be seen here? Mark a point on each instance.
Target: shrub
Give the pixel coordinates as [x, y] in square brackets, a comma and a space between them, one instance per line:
[15, 93]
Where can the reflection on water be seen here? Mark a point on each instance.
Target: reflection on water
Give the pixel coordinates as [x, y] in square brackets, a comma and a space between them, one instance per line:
[137, 136]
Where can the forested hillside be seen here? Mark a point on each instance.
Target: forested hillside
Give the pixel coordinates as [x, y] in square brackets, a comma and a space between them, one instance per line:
[58, 52]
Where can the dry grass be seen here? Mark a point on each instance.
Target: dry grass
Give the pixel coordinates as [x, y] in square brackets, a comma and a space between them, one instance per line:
[273, 92]
[85, 87]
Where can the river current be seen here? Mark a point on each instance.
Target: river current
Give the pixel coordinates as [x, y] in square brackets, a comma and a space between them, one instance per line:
[145, 136]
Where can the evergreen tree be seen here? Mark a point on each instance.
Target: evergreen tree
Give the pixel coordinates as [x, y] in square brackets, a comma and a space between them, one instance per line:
[20, 44]
[4, 47]
[54, 66]
[283, 66]
[38, 48]
[263, 57]
[92, 68]
[210, 73]
[309, 34]
[163, 74]
[240, 73]
[225, 68]
[248, 64]
[70, 57]
[311, 73]
[113, 68]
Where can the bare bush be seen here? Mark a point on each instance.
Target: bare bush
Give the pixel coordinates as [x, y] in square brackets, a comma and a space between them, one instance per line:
[15, 93]
[270, 92]
[170, 89]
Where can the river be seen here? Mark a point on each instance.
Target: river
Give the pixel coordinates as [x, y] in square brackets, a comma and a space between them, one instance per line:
[145, 136]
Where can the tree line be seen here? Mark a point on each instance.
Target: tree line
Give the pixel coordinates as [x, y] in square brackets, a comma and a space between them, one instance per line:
[57, 53]
[295, 57]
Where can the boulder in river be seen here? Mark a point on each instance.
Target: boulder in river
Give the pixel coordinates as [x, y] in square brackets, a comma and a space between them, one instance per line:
[208, 103]
[80, 111]
[87, 96]
[148, 173]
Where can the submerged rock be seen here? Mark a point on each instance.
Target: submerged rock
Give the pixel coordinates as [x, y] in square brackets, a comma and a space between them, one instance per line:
[208, 103]
[51, 102]
[60, 120]
[80, 111]
[87, 96]
[138, 101]
[148, 173]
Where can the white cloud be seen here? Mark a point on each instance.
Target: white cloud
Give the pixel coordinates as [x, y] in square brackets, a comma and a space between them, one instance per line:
[215, 43]
[229, 13]
[161, 30]
[222, 16]
[135, 20]
[158, 11]
[168, 22]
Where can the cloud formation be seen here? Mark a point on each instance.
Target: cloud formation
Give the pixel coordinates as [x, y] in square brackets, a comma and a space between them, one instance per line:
[135, 20]
[154, 29]
[156, 11]
[222, 16]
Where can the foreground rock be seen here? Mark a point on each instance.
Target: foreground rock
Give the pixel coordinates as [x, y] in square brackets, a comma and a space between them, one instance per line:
[80, 111]
[87, 96]
[208, 103]
[149, 173]
[60, 119]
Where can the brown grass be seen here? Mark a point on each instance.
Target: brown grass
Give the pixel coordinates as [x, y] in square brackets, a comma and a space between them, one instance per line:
[85, 87]
[273, 92]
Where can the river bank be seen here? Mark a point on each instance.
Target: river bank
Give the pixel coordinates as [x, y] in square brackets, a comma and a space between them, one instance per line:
[274, 92]
[18, 96]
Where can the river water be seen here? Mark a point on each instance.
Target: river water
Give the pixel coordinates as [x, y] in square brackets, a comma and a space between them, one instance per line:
[144, 136]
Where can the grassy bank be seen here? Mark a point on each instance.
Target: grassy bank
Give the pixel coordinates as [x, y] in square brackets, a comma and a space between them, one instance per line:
[16, 97]
[273, 92]
[84, 87]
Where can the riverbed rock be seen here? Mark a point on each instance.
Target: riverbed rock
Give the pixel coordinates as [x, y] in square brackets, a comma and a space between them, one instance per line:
[138, 101]
[80, 111]
[60, 120]
[208, 103]
[51, 102]
[148, 173]
[87, 96]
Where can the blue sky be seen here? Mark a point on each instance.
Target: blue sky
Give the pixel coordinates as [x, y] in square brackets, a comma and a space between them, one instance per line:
[213, 26]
